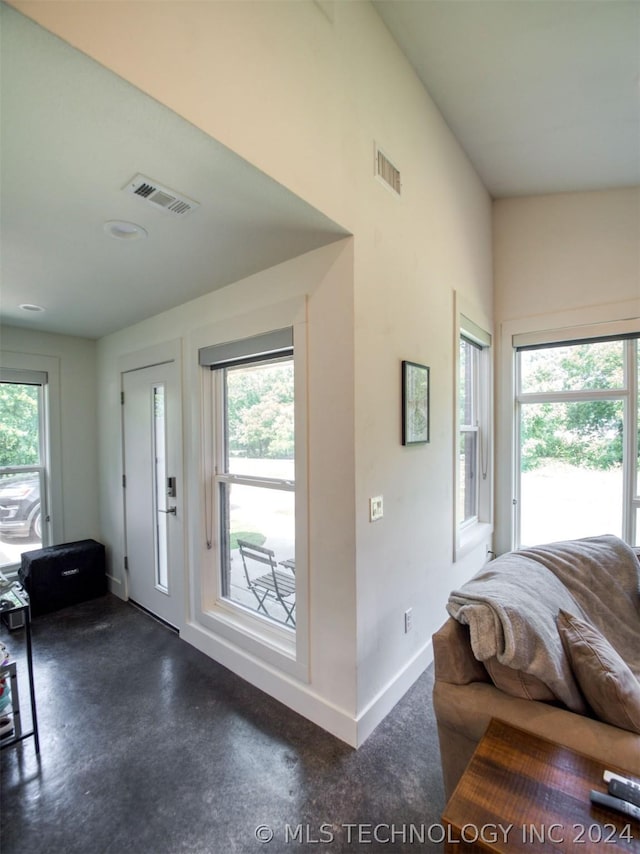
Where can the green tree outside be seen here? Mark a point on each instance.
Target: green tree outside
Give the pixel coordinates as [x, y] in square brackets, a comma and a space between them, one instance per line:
[19, 444]
[260, 407]
[588, 434]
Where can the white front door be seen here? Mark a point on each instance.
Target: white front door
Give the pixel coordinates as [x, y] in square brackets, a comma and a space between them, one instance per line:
[153, 489]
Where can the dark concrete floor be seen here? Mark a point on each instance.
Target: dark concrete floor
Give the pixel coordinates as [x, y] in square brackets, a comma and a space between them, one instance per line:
[150, 747]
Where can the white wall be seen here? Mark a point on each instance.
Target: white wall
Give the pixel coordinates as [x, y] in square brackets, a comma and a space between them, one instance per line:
[324, 277]
[75, 451]
[565, 252]
[303, 96]
[411, 255]
[560, 261]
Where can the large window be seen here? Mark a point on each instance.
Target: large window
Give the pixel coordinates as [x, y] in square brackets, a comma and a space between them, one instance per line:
[473, 467]
[254, 521]
[577, 440]
[22, 465]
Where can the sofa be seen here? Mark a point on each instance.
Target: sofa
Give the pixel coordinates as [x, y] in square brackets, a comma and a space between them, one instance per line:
[548, 640]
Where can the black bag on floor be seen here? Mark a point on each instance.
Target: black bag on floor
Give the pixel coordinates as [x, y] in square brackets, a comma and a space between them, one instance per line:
[63, 575]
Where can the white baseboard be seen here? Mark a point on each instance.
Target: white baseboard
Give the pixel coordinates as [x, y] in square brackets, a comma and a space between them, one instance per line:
[300, 697]
[377, 710]
[294, 695]
[116, 586]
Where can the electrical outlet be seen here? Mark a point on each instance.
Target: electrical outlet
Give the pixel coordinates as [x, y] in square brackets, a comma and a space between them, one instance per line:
[376, 510]
[408, 620]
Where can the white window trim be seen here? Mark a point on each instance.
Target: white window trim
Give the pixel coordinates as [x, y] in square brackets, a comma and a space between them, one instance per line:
[278, 646]
[53, 526]
[473, 532]
[593, 321]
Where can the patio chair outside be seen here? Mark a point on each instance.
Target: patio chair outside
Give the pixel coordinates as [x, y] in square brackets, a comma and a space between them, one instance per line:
[274, 584]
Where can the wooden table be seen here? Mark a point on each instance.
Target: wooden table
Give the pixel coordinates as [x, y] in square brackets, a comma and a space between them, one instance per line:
[521, 793]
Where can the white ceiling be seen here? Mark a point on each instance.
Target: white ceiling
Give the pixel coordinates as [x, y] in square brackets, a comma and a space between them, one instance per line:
[73, 135]
[544, 96]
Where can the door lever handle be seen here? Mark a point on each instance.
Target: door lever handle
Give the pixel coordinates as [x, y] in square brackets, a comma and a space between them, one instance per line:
[171, 510]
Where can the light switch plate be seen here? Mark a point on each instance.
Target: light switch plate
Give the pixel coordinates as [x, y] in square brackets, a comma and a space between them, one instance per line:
[376, 509]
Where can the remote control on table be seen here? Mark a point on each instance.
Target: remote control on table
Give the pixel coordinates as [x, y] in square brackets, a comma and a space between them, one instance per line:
[615, 803]
[625, 791]
[623, 787]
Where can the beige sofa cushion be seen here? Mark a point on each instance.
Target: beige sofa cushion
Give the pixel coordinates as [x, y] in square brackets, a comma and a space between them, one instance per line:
[611, 689]
[517, 683]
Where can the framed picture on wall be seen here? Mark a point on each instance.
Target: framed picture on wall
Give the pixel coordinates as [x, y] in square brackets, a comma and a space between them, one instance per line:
[415, 403]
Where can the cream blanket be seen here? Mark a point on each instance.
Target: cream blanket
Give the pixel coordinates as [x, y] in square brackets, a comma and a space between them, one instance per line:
[512, 604]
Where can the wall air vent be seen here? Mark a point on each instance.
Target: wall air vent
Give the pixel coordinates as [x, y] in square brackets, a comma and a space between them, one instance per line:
[385, 171]
[159, 196]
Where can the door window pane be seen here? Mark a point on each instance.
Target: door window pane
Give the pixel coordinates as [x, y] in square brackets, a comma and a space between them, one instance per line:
[160, 487]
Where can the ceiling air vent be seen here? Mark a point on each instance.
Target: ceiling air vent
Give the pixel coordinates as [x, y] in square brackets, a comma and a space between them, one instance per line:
[160, 197]
[385, 170]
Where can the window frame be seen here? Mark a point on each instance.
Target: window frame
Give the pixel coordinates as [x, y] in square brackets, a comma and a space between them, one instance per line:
[223, 477]
[231, 628]
[15, 366]
[606, 319]
[627, 393]
[36, 379]
[471, 427]
[471, 532]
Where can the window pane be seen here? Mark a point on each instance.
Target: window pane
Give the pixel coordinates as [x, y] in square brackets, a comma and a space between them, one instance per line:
[257, 522]
[571, 470]
[19, 424]
[264, 517]
[260, 422]
[160, 487]
[468, 370]
[20, 446]
[20, 516]
[575, 367]
[468, 491]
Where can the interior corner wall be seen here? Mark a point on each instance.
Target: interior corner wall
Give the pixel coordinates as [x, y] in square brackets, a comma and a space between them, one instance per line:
[304, 96]
[560, 260]
[78, 446]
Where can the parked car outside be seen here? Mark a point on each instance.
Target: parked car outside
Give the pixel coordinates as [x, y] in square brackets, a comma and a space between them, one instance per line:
[20, 506]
